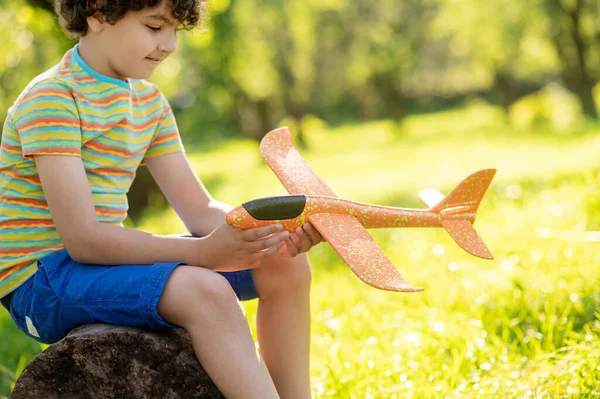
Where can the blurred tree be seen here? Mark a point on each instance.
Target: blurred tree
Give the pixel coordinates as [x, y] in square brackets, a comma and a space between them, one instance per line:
[262, 61]
[31, 43]
[575, 33]
[269, 60]
[257, 63]
[497, 45]
[47, 5]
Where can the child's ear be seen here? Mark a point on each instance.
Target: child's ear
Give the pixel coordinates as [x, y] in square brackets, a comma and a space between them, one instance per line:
[96, 22]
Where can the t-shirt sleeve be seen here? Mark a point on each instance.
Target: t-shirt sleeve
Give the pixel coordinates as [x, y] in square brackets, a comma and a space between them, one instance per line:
[166, 139]
[47, 121]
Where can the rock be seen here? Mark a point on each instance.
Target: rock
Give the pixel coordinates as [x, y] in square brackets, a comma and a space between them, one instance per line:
[106, 361]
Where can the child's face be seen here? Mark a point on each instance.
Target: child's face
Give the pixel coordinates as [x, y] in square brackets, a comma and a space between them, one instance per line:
[137, 43]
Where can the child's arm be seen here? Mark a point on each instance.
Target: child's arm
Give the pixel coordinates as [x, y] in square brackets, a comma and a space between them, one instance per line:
[199, 211]
[71, 204]
[184, 191]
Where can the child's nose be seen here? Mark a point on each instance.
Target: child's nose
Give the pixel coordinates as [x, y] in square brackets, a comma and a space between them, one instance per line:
[168, 44]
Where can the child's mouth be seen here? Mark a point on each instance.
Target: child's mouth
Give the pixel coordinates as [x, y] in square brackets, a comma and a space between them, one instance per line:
[153, 61]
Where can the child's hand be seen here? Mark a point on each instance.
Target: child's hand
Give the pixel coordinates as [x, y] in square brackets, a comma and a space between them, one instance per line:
[231, 249]
[301, 240]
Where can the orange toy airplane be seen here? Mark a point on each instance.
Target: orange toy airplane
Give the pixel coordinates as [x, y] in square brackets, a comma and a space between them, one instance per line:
[343, 223]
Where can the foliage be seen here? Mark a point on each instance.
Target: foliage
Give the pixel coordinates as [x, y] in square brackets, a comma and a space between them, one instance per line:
[256, 63]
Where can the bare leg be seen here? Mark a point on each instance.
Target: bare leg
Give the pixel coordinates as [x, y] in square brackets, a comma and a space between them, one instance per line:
[283, 323]
[203, 303]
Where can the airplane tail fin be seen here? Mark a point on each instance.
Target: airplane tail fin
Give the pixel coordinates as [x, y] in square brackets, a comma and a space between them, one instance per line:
[466, 237]
[458, 209]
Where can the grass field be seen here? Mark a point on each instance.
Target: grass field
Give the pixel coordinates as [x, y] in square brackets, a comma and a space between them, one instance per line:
[525, 325]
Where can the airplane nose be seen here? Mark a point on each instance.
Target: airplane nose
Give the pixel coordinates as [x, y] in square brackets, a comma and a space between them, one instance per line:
[276, 208]
[237, 216]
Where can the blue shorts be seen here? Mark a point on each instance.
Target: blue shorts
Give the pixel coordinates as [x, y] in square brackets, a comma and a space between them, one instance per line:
[64, 294]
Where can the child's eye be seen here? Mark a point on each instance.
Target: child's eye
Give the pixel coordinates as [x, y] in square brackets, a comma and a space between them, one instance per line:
[153, 28]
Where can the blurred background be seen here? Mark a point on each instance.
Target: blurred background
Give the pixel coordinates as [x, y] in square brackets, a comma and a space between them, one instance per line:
[385, 98]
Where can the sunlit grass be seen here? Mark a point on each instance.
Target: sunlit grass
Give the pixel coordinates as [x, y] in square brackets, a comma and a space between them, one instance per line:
[523, 325]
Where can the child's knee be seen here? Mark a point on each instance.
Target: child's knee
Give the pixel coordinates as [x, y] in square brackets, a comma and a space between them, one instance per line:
[300, 271]
[194, 292]
[289, 275]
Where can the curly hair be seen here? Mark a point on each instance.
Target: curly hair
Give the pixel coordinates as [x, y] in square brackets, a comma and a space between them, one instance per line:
[72, 14]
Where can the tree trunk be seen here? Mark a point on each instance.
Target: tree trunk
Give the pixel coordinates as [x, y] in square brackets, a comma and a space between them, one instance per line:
[44, 4]
[568, 37]
[144, 192]
[586, 98]
[584, 91]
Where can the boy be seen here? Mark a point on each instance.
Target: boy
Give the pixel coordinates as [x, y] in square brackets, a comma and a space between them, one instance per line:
[71, 145]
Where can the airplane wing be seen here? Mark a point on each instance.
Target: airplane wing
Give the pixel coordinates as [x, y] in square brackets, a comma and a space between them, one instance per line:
[360, 252]
[297, 177]
[343, 232]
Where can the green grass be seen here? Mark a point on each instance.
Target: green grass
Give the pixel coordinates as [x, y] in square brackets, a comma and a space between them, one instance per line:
[524, 325]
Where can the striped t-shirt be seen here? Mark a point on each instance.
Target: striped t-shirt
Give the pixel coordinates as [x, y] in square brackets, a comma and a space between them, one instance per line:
[72, 110]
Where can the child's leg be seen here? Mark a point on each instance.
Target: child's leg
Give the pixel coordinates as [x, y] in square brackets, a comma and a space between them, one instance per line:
[205, 305]
[283, 323]
[64, 294]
